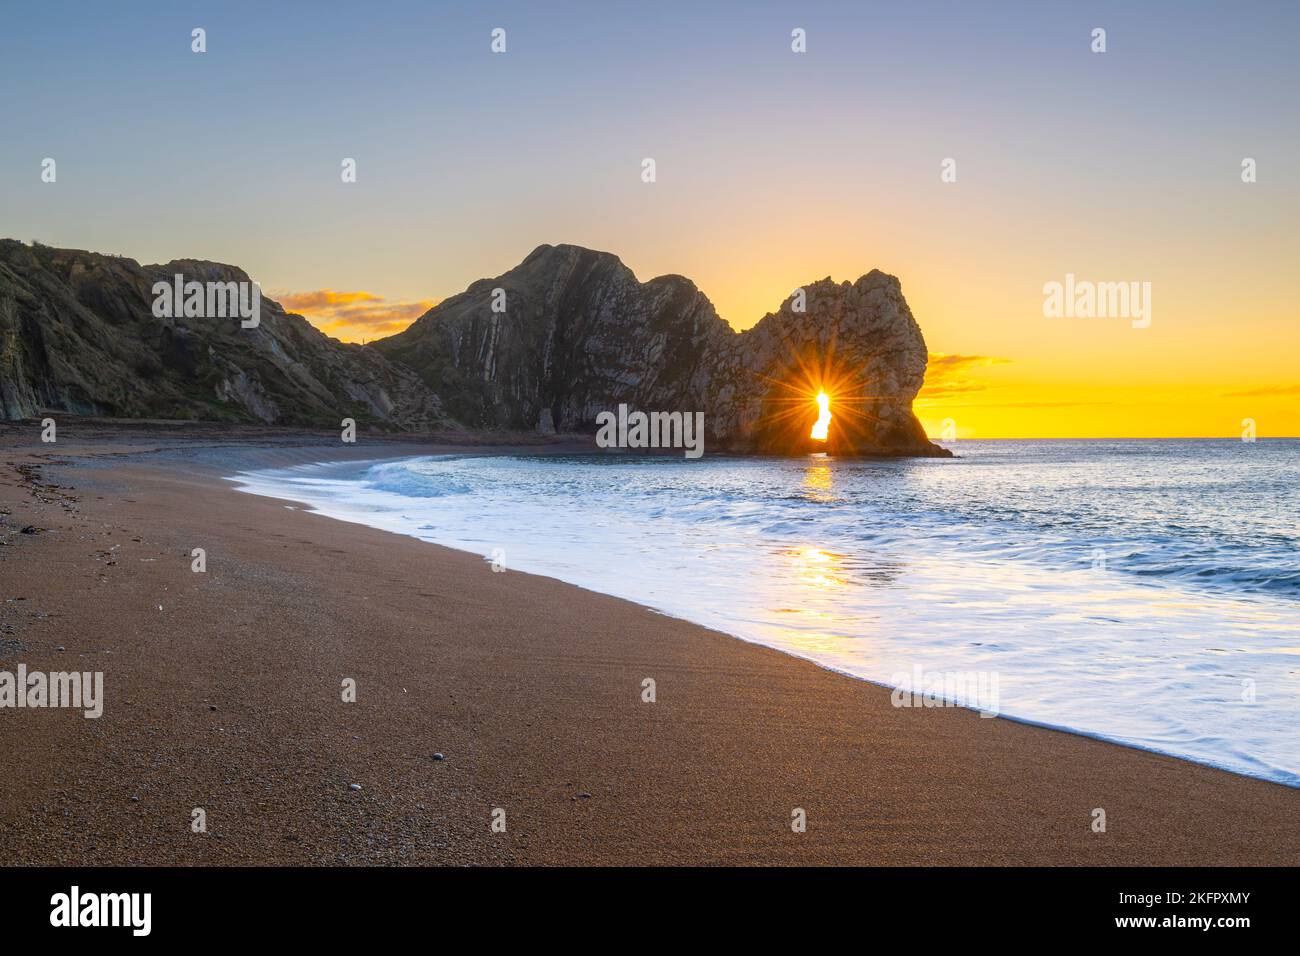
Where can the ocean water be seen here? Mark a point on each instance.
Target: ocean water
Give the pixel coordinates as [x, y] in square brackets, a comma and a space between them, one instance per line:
[1144, 592]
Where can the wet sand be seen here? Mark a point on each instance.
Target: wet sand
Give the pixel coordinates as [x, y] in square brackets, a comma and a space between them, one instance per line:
[223, 692]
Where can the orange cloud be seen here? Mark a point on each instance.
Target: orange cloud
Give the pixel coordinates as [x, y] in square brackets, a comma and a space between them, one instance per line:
[1265, 391]
[945, 375]
[352, 316]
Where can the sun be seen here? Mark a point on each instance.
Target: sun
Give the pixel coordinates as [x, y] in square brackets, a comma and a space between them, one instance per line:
[822, 425]
[796, 415]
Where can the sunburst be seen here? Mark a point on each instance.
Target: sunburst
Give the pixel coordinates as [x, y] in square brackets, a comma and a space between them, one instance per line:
[797, 409]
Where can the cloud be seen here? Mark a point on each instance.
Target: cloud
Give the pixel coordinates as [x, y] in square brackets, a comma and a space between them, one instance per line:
[352, 316]
[1265, 391]
[945, 375]
[324, 298]
[1032, 404]
[948, 361]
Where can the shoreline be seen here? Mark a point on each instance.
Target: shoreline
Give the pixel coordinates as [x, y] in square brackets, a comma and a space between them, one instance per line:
[260, 483]
[228, 699]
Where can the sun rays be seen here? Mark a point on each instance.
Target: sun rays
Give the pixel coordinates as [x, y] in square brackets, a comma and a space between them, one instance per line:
[797, 410]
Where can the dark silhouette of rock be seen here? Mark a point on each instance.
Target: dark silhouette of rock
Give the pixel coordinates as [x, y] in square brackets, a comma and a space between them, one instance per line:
[547, 347]
[570, 333]
[78, 334]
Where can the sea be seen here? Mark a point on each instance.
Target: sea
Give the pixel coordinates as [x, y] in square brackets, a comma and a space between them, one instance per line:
[1145, 592]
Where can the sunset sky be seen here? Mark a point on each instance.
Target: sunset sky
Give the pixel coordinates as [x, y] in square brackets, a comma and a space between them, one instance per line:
[773, 169]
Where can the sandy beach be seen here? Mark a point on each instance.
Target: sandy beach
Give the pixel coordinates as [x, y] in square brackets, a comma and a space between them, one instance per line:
[223, 692]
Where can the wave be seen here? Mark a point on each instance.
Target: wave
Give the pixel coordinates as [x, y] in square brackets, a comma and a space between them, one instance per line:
[401, 478]
[1115, 593]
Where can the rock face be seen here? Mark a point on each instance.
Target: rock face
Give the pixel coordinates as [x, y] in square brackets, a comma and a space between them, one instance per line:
[578, 332]
[857, 341]
[574, 333]
[78, 334]
[546, 347]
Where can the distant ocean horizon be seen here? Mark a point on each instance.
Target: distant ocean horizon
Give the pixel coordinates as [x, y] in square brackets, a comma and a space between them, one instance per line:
[1142, 591]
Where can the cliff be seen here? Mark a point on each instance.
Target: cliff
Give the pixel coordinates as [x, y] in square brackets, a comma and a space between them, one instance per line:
[573, 333]
[547, 346]
[78, 334]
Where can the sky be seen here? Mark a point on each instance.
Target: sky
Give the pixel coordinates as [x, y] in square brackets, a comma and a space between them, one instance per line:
[773, 169]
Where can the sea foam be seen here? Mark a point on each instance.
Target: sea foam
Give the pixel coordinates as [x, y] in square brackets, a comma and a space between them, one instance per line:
[1142, 592]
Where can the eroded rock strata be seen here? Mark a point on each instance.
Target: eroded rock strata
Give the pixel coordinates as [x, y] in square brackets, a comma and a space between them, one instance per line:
[548, 346]
[579, 334]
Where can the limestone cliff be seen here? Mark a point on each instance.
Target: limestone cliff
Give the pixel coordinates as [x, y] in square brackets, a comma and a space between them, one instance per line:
[574, 333]
[78, 334]
[548, 346]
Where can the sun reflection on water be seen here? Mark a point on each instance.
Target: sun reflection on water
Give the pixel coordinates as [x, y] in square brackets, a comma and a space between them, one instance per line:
[817, 568]
[818, 478]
